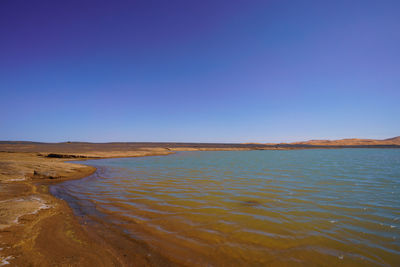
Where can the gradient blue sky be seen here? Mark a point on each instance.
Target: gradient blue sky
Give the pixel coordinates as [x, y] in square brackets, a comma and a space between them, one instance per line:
[199, 71]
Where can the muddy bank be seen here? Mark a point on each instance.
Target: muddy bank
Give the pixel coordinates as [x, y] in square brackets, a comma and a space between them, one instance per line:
[37, 229]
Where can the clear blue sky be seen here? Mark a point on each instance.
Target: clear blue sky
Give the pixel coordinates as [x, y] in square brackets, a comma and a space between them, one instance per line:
[201, 71]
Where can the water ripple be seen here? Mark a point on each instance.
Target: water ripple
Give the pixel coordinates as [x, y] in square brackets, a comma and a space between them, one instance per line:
[257, 208]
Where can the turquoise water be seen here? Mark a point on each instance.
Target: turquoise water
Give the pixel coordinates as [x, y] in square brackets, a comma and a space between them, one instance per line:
[252, 208]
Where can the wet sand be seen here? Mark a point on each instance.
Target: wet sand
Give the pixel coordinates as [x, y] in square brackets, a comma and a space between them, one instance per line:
[37, 229]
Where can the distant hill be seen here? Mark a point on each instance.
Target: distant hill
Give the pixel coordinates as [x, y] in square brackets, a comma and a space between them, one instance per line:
[394, 139]
[65, 147]
[351, 142]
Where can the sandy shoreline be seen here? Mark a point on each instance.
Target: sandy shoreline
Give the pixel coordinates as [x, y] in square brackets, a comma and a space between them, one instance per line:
[38, 229]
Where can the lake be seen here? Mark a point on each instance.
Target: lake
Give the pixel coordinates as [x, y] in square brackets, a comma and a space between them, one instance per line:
[251, 208]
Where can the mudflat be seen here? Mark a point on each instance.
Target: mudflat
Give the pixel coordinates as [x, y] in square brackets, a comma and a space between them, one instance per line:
[37, 229]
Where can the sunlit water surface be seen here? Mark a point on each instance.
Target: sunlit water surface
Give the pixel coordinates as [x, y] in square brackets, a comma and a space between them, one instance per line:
[252, 208]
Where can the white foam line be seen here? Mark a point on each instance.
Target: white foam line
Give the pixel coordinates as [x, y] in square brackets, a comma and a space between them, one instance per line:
[15, 180]
[12, 200]
[42, 206]
[5, 261]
